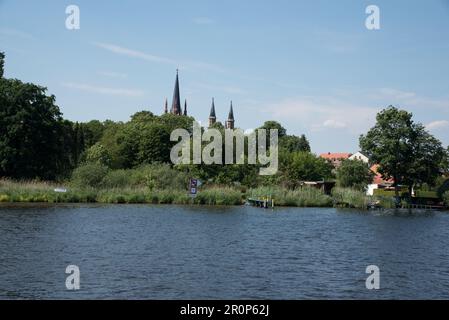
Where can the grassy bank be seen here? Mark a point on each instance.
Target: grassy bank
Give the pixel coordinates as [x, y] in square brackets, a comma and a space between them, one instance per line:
[12, 191]
[302, 197]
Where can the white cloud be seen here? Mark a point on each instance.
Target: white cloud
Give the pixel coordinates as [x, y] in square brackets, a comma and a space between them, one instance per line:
[439, 124]
[104, 90]
[408, 99]
[334, 124]
[324, 113]
[158, 59]
[134, 53]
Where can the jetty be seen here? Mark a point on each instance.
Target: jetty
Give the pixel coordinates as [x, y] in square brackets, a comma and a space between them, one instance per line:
[261, 202]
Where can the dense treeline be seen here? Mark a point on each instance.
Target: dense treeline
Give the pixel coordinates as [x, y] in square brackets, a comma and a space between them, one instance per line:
[36, 143]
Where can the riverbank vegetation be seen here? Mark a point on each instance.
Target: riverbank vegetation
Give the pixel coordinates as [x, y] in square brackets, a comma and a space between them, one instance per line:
[446, 199]
[35, 191]
[129, 162]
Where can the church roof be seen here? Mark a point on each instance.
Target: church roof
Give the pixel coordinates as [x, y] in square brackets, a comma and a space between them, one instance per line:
[231, 113]
[176, 104]
[212, 110]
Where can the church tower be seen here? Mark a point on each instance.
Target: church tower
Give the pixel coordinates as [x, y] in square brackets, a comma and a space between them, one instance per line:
[166, 106]
[185, 107]
[212, 116]
[230, 121]
[176, 103]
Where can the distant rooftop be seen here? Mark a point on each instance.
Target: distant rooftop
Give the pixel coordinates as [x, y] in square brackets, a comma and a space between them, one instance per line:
[335, 155]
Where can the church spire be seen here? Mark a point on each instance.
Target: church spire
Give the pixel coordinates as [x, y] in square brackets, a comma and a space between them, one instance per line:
[176, 104]
[230, 121]
[231, 113]
[212, 117]
[166, 106]
[185, 107]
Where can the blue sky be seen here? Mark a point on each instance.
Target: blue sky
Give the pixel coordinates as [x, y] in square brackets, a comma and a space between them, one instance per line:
[311, 65]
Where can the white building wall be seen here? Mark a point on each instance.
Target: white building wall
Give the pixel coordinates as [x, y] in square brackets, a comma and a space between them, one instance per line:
[359, 156]
[371, 188]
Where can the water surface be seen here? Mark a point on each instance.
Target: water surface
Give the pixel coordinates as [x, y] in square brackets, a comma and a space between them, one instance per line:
[178, 252]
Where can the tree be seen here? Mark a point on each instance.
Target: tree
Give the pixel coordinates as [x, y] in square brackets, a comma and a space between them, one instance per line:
[445, 163]
[31, 132]
[404, 150]
[304, 166]
[2, 63]
[268, 125]
[92, 132]
[294, 144]
[120, 145]
[143, 116]
[98, 154]
[429, 156]
[354, 174]
[154, 144]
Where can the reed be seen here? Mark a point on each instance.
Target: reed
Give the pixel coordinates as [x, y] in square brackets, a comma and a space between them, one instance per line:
[34, 191]
[350, 198]
[301, 197]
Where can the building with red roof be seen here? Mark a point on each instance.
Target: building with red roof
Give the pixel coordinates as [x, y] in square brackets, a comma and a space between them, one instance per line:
[336, 158]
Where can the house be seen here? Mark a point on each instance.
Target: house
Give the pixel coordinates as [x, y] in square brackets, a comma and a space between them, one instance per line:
[335, 158]
[359, 156]
[378, 181]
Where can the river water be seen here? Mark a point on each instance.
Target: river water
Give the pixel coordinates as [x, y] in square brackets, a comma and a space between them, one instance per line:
[182, 252]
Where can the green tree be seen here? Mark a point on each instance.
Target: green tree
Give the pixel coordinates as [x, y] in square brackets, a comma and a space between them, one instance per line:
[98, 154]
[290, 143]
[297, 167]
[143, 116]
[173, 122]
[31, 132]
[92, 132]
[404, 150]
[154, 144]
[354, 174]
[268, 125]
[122, 146]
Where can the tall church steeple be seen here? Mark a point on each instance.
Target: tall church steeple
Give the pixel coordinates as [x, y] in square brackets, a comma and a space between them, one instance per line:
[176, 103]
[212, 116]
[230, 121]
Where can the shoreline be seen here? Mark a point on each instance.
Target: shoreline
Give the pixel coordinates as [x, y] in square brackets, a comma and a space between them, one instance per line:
[13, 192]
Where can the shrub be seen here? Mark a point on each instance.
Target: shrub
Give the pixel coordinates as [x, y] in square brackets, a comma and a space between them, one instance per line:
[160, 176]
[89, 175]
[446, 198]
[443, 188]
[118, 179]
[98, 154]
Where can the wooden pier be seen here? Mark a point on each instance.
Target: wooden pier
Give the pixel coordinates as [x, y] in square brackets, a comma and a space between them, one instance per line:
[265, 203]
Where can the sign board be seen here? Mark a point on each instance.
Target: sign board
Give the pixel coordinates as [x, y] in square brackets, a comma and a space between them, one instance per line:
[193, 187]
